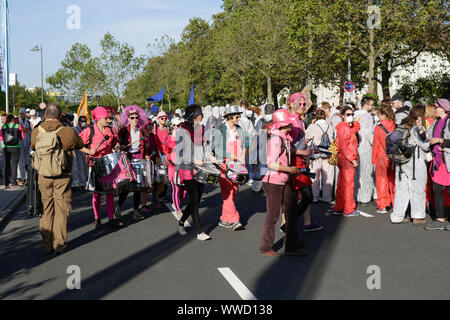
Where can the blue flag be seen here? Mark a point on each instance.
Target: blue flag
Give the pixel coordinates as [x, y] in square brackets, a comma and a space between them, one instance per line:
[191, 98]
[157, 97]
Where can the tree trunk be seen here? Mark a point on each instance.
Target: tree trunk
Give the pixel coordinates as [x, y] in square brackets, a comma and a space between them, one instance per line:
[269, 90]
[341, 93]
[385, 76]
[372, 83]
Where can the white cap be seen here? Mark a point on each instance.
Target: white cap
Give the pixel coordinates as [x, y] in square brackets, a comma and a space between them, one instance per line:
[177, 121]
[28, 110]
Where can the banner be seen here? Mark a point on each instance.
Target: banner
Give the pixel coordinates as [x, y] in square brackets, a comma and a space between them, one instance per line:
[83, 109]
[191, 98]
[157, 97]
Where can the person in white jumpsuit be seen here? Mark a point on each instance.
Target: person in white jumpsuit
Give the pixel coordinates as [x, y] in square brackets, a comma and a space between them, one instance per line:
[364, 174]
[24, 146]
[79, 164]
[411, 177]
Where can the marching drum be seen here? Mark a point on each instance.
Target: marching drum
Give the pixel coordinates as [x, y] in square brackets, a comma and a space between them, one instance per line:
[115, 169]
[140, 168]
[206, 174]
[237, 173]
[163, 174]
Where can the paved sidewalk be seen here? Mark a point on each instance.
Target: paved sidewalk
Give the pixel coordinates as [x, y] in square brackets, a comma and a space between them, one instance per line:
[10, 199]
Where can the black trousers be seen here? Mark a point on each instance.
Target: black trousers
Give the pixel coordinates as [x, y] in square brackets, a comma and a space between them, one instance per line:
[195, 190]
[439, 200]
[10, 162]
[136, 199]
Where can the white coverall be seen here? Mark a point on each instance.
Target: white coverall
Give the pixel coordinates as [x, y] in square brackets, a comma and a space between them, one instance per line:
[364, 173]
[408, 190]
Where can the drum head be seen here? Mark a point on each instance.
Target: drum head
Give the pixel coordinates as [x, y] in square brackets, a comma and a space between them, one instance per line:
[209, 169]
[237, 167]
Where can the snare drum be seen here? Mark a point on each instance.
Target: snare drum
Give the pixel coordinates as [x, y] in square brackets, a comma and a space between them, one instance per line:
[237, 173]
[206, 174]
[115, 169]
[140, 169]
[163, 174]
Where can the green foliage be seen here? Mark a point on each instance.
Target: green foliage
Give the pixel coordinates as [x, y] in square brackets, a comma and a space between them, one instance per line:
[427, 89]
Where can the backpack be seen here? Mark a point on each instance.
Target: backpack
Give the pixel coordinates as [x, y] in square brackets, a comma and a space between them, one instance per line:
[11, 135]
[397, 148]
[49, 159]
[324, 141]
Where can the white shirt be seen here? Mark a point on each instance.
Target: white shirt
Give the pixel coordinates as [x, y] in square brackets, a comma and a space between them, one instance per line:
[135, 136]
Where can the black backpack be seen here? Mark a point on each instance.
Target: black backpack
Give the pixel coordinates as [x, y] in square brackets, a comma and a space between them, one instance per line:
[11, 135]
[397, 148]
[324, 141]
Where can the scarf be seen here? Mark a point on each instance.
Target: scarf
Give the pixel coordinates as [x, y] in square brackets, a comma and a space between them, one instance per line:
[437, 134]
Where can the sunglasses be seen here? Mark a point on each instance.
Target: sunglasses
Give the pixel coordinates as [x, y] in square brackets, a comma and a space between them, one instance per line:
[164, 118]
[349, 114]
[112, 119]
[133, 118]
[236, 117]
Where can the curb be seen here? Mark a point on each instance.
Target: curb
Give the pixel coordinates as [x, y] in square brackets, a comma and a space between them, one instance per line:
[11, 209]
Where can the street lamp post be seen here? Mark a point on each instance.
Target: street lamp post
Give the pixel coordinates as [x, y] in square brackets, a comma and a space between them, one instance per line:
[36, 48]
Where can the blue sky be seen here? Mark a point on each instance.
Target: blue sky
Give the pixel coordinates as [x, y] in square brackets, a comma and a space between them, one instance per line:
[137, 22]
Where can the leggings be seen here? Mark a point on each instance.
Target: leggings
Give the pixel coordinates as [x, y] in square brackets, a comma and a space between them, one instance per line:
[439, 199]
[136, 199]
[194, 189]
[178, 194]
[10, 162]
[96, 202]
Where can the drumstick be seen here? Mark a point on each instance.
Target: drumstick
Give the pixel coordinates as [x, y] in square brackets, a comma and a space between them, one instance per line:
[143, 138]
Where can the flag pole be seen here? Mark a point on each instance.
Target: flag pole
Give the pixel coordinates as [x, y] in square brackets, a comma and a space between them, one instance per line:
[6, 76]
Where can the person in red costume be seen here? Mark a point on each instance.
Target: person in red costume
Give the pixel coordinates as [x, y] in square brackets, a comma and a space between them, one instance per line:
[347, 143]
[384, 173]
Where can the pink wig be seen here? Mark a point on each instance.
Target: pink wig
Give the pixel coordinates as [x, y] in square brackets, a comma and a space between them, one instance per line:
[134, 109]
[296, 96]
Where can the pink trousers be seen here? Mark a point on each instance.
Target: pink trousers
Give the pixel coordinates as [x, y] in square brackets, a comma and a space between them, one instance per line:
[229, 193]
[97, 201]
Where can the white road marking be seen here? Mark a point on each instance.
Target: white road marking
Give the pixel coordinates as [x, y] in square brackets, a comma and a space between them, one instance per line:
[366, 215]
[237, 284]
[169, 206]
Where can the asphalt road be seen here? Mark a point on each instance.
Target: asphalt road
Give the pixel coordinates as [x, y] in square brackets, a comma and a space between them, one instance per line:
[149, 260]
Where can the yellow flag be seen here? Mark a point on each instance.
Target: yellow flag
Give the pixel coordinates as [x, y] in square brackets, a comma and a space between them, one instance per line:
[83, 109]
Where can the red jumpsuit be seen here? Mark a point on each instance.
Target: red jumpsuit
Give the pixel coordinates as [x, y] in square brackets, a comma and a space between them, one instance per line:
[384, 172]
[347, 144]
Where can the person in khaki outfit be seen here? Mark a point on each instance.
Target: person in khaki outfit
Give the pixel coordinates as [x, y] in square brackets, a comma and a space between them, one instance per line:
[56, 192]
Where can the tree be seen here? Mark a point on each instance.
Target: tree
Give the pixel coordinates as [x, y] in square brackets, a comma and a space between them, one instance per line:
[79, 72]
[118, 64]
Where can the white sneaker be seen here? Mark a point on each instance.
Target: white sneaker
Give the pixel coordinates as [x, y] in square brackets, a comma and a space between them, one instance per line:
[203, 237]
[182, 231]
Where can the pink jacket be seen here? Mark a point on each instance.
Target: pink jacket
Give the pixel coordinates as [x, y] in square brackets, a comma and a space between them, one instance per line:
[273, 156]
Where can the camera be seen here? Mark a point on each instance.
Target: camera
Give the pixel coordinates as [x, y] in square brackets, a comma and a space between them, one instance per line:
[307, 172]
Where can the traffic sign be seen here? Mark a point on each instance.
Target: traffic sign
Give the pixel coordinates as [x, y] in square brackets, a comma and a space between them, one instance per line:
[42, 106]
[349, 86]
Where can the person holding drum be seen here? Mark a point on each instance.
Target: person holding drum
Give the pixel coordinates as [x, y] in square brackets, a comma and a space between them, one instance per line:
[132, 140]
[228, 148]
[104, 139]
[178, 193]
[162, 133]
[189, 144]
